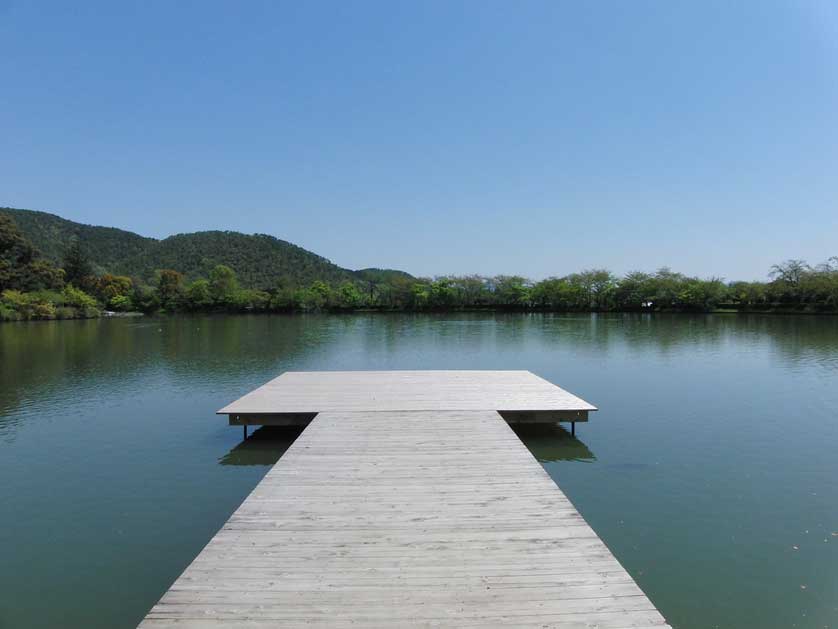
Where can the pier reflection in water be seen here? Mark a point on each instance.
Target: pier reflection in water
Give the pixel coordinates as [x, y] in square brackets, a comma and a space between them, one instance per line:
[548, 443]
[263, 447]
[551, 442]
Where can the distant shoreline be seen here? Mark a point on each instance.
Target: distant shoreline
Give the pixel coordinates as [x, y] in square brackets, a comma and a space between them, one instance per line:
[51, 268]
[377, 311]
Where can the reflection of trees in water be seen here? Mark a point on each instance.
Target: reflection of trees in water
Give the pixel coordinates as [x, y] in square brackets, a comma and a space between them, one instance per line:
[51, 359]
[432, 332]
[794, 336]
[72, 359]
[600, 333]
[592, 334]
[234, 345]
[551, 442]
[798, 338]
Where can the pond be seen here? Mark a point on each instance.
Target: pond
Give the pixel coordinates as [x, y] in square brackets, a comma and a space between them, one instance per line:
[711, 470]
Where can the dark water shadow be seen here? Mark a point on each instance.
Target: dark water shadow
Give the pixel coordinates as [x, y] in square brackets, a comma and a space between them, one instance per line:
[264, 447]
[551, 442]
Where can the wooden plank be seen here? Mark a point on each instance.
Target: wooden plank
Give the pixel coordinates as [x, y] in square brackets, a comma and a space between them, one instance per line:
[314, 392]
[410, 518]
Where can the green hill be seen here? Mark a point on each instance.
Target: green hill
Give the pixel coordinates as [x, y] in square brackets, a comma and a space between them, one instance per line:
[51, 235]
[259, 260]
[382, 276]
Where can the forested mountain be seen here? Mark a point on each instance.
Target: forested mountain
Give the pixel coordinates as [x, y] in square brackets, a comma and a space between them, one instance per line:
[259, 260]
[54, 268]
[52, 235]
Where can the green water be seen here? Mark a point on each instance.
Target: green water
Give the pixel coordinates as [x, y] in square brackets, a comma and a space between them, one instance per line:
[711, 469]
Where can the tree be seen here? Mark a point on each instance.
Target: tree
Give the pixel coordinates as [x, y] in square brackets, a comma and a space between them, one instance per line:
[170, 289]
[790, 271]
[319, 295]
[199, 295]
[511, 290]
[703, 295]
[442, 293]
[77, 298]
[282, 298]
[472, 290]
[601, 285]
[222, 283]
[421, 295]
[145, 298]
[787, 278]
[830, 266]
[349, 296]
[109, 287]
[77, 268]
[748, 293]
[14, 249]
[556, 293]
[248, 299]
[635, 290]
[666, 285]
[122, 303]
[40, 275]
[20, 265]
[398, 293]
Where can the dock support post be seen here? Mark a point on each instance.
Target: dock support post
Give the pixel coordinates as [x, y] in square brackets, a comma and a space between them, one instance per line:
[573, 429]
[245, 431]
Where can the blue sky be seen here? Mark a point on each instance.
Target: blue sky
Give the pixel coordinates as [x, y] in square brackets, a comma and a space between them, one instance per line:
[537, 138]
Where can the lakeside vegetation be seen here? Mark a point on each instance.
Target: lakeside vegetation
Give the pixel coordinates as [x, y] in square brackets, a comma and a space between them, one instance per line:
[34, 286]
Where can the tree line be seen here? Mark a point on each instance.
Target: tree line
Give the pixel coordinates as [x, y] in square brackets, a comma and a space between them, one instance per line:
[34, 288]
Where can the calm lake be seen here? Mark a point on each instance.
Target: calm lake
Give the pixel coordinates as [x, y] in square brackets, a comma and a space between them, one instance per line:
[711, 470]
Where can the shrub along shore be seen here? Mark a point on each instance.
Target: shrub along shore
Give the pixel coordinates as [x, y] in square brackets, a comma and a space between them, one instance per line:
[815, 291]
[33, 288]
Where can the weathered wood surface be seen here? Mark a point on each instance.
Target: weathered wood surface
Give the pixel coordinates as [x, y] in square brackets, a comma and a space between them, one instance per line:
[405, 519]
[320, 391]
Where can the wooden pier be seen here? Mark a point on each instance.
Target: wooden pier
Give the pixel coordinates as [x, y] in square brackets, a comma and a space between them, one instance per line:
[430, 515]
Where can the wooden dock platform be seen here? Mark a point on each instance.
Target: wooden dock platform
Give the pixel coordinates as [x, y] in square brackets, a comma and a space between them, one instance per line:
[417, 517]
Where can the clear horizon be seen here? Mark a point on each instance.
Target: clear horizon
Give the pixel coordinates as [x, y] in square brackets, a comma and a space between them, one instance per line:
[437, 138]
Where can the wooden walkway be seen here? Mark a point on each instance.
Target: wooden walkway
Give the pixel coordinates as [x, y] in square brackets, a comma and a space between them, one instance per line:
[394, 518]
